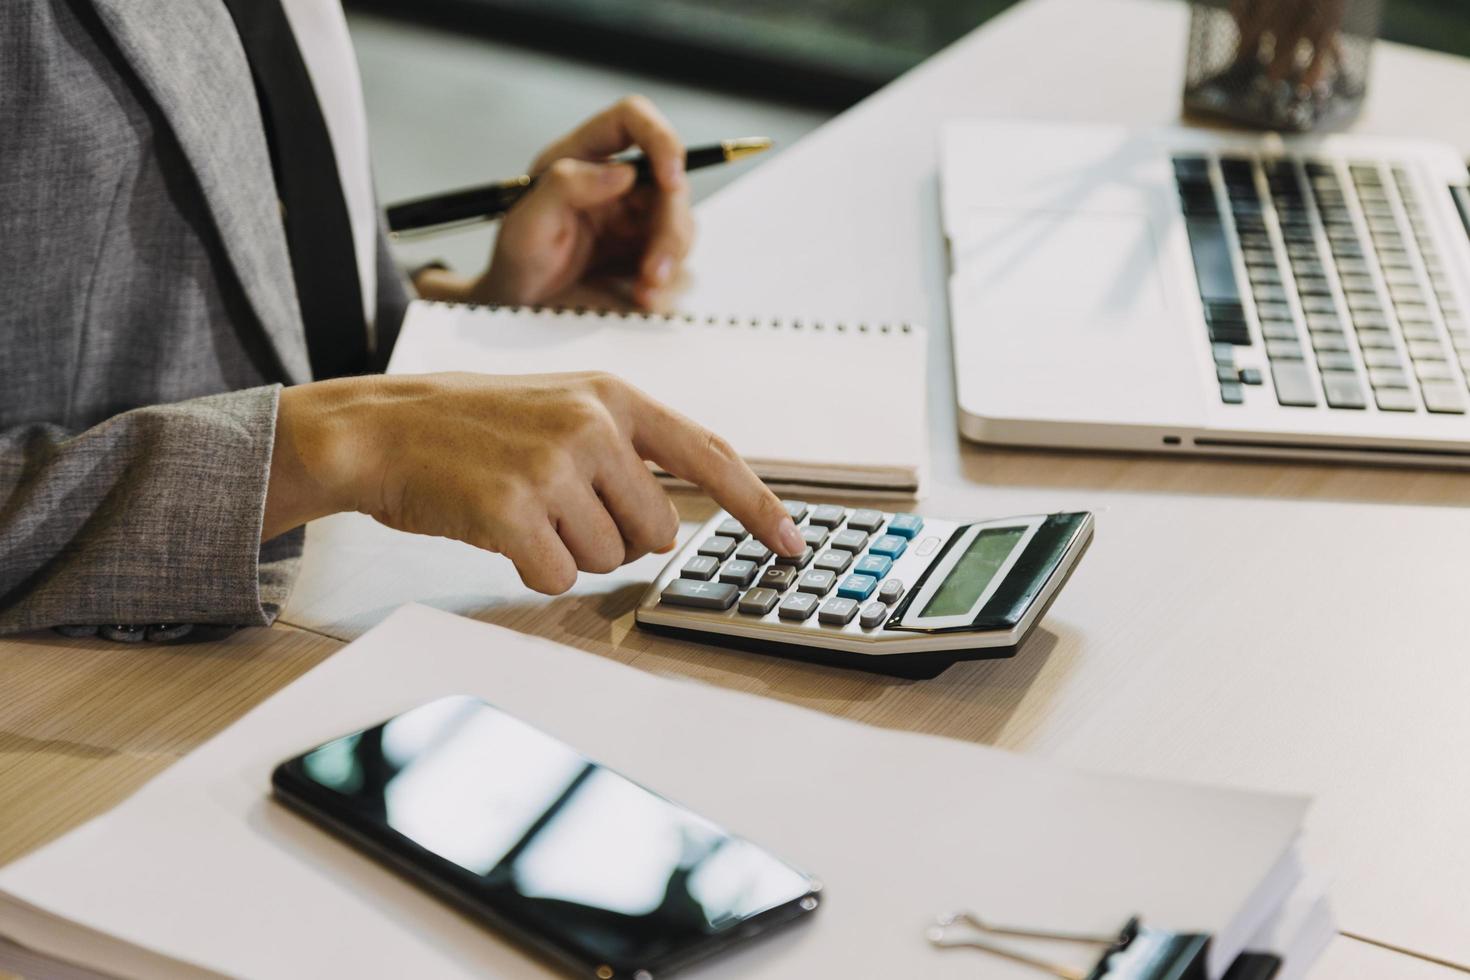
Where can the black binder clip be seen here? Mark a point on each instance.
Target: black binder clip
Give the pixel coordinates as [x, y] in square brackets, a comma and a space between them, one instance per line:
[1135, 953]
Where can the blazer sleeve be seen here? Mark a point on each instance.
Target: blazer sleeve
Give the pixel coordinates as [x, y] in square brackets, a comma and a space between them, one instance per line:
[144, 524]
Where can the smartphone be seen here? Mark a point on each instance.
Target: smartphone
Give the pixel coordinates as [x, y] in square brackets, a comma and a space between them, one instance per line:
[604, 877]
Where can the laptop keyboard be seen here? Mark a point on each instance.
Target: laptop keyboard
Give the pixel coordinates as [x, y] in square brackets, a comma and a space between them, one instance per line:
[1343, 283]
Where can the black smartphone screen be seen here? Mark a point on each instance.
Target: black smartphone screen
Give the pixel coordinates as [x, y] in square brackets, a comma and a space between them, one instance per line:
[573, 858]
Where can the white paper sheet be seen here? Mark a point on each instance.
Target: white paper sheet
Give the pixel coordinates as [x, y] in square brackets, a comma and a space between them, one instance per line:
[202, 867]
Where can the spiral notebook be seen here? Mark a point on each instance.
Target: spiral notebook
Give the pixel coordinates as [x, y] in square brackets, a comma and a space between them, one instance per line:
[818, 407]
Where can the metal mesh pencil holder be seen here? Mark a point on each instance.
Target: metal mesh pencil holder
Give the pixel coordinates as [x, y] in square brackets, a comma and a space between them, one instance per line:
[1286, 65]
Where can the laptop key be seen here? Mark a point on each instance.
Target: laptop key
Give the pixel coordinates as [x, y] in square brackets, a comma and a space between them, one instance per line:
[1380, 339]
[1388, 378]
[1343, 389]
[1294, 384]
[1434, 371]
[1283, 350]
[1335, 360]
[1378, 357]
[1232, 393]
[1329, 340]
[1444, 397]
[1395, 400]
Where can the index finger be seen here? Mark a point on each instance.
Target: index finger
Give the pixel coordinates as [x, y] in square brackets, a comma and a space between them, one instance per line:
[634, 121]
[691, 452]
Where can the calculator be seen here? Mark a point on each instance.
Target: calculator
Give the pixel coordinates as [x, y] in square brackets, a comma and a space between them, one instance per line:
[891, 593]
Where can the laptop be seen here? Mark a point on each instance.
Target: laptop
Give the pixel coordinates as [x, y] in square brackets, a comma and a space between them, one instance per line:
[1186, 291]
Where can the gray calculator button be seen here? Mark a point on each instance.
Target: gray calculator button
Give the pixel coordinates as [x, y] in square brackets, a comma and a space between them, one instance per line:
[814, 535]
[850, 539]
[753, 551]
[758, 602]
[834, 560]
[798, 605]
[837, 611]
[739, 572]
[800, 561]
[777, 578]
[874, 613]
[731, 528]
[828, 515]
[718, 546]
[700, 595]
[866, 519]
[700, 567]
[890, 591]
[818, 581]
[797, 509]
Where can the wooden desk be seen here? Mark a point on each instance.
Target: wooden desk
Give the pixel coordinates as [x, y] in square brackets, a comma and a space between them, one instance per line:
[1284, 627]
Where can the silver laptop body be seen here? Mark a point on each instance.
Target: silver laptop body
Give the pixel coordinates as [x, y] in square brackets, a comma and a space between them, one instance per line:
[1182, 291]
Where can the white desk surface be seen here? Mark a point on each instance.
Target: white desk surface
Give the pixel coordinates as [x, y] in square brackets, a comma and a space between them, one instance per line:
[1278, 626]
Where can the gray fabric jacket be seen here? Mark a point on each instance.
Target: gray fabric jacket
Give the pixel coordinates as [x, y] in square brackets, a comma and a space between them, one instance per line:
[148, 319]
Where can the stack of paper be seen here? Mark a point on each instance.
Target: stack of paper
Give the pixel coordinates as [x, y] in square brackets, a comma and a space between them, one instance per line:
[202, 873]
[812, 406]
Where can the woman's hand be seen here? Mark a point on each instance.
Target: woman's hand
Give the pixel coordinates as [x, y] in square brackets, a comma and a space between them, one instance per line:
[547, 470]
[586, 216]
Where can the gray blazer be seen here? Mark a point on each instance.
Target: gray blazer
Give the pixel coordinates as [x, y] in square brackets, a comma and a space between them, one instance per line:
[148, 320]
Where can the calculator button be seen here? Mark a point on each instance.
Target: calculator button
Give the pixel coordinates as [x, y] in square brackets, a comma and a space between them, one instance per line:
[828, 515]
[700, 595]
[890, 545]
[814, 535]
[891, 591]
[874, 565]
[927, 546]
[718, 547]
[837, 612]
[739, 572]
[753, 551]
[873, 614]
[758, 602]
[850, 540]
[857, 587]
[777, 578]
[866, 520]
[833, 560]
[797, 509]
[700, 567]
[800, 561]
[818, 581]
[798, 605]
[731, 528]
[905, 525]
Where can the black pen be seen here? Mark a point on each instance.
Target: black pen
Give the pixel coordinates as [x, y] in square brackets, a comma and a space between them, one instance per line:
[475, 204]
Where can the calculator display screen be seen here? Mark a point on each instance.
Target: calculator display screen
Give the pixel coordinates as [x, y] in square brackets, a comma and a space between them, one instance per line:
[971, 575]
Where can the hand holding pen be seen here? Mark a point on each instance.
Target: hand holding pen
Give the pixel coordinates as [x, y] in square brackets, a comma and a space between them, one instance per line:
[579, 213]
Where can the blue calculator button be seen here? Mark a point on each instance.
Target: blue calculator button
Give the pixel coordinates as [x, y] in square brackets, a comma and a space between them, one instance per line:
[874, 565]
[857, 587]
[905, 525]
[890, 545]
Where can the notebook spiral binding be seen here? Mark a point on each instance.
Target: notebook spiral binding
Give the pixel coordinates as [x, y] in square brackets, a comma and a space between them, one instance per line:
[709, 320]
